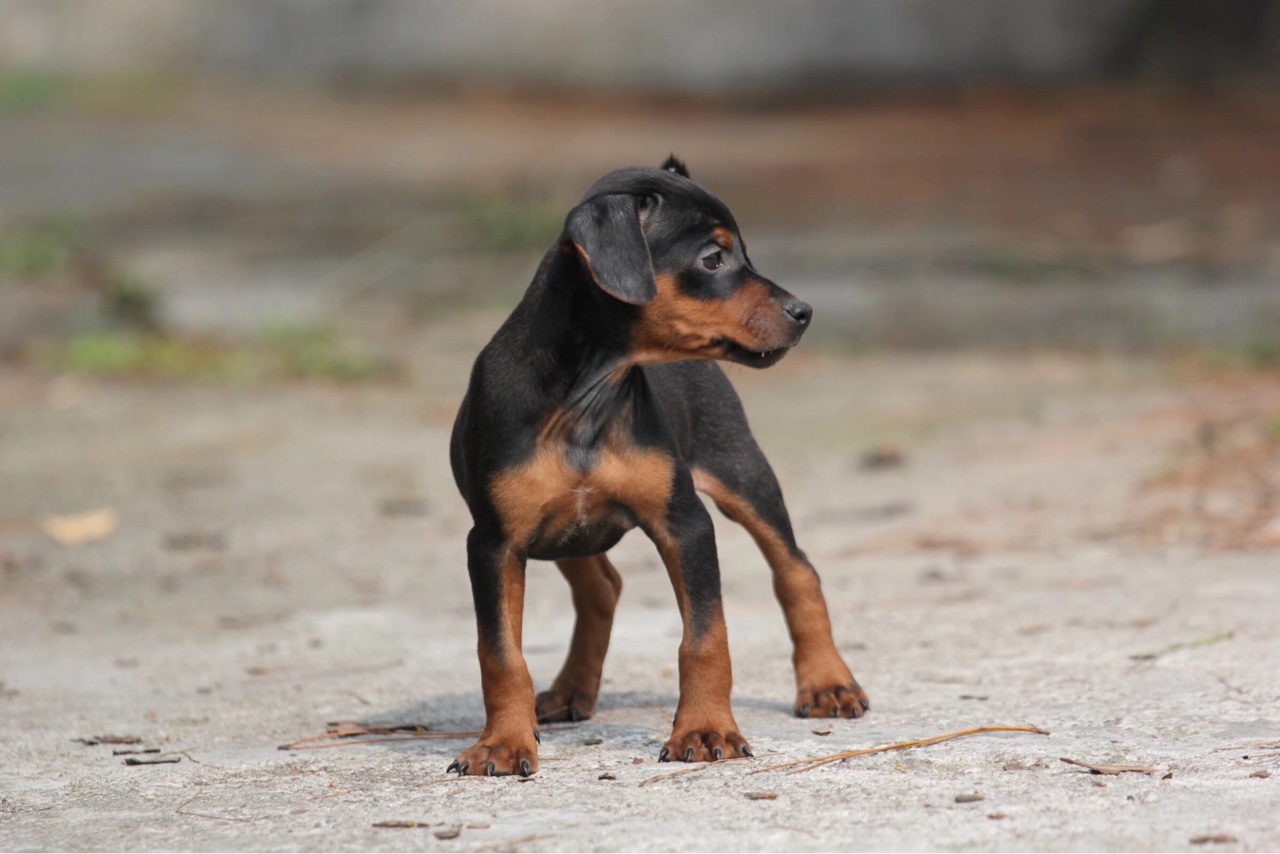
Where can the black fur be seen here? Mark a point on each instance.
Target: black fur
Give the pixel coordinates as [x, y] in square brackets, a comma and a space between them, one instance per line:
[584, 358]
[673, 164]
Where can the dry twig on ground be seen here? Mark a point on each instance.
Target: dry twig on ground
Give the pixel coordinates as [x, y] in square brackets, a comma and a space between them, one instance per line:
[182, 810]
[1110, 770]
[818, 761]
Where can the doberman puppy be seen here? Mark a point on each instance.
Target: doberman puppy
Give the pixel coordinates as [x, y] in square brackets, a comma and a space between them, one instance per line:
[596, 408]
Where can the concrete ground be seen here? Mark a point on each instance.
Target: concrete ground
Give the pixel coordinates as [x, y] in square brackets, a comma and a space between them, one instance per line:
[292, 556]
[1085, 544]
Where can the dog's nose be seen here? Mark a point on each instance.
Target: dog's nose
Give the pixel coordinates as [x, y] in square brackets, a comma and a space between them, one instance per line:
[800, 312]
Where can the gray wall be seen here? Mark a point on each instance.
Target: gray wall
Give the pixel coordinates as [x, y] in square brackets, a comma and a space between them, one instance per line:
[716, 46]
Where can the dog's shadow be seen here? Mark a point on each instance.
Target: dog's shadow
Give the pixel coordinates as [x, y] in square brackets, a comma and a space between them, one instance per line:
[464, 713]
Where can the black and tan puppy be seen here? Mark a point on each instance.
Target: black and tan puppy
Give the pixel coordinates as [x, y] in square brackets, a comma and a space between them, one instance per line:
[598, 408]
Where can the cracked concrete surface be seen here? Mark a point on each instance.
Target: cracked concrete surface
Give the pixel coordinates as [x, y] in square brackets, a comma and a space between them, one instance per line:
[292, 554]
[263, 582]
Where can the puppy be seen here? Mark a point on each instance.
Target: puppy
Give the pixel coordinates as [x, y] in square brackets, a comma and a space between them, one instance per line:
[597, 408]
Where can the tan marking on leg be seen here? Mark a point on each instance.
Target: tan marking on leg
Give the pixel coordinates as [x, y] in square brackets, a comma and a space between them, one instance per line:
[508, 744]
[704, 727]
[824, 682]
[596, 587]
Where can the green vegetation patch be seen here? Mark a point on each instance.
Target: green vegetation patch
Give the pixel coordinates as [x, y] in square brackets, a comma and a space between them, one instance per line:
[306, 352]
[31, 89]
[512, 225]
[279, 353]
[26, 89]
[36, 252]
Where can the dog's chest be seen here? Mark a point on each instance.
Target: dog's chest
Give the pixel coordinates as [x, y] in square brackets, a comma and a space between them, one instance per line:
[556, 496]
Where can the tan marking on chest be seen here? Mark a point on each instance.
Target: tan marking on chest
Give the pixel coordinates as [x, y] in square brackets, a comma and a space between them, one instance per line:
[547, 497]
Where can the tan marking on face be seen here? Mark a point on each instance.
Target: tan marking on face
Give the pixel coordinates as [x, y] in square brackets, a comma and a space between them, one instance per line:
[547, 497]
[675, 326]
[722, 237]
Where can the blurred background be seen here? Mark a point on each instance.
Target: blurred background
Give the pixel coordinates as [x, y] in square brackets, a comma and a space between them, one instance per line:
[350, 193]
[245, 175]
[249, 248]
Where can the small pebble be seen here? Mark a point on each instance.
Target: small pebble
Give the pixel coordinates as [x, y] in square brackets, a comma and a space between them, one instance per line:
[762, 796]
[969, 798]
[447, 832]
[588, 742]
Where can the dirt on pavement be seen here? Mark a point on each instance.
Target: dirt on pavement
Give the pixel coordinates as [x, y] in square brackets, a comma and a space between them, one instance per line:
[1081, 540]
[287, 557]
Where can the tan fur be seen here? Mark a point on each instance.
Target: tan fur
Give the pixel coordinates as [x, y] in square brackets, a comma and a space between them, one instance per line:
[548, 497]
[722, 237]
[675, 326]
[596, 586]
[818, 664]
[510, 718]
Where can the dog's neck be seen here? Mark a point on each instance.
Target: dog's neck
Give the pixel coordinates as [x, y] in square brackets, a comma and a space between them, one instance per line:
[576, 343]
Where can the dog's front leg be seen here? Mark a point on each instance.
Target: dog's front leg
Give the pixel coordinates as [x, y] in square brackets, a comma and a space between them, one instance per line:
[704, 728]
[508, 744]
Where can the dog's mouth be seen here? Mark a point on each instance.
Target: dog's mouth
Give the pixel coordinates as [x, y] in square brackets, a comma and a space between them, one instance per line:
[735, 352]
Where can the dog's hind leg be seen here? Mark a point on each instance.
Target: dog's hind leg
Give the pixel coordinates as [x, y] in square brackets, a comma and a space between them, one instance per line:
[742, 484]
[596, 587]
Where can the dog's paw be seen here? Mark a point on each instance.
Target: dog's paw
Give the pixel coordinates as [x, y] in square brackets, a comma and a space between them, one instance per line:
[496, 756]
[704, 746]
[554, 706]
[846, 700]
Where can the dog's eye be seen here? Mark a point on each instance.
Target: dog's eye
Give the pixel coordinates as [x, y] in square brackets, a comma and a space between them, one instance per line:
[714, 261]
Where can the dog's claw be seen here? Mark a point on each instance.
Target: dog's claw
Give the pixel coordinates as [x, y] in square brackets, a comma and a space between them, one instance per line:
[718, 754]
[537, 736]
[491, 770]
[464, 768]
[453, 766]
[803, 712]
[665, 754]
[525, 768]
[746, 751]
[688, 755]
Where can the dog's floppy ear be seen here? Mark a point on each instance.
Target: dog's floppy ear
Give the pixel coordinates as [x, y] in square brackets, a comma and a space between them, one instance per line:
[673, 164]
[605, 231]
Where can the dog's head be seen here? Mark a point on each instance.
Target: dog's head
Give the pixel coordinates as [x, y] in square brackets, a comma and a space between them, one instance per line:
[656, 240]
